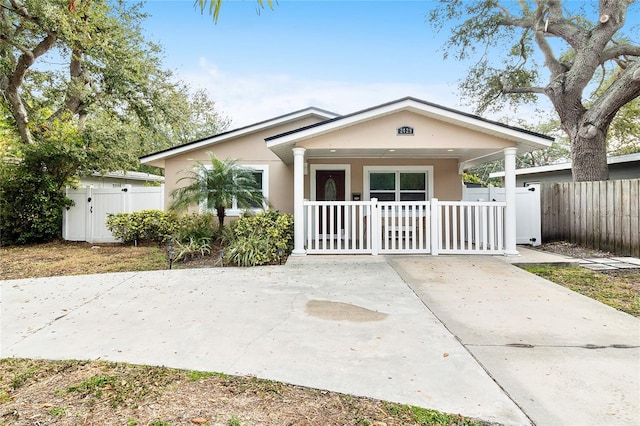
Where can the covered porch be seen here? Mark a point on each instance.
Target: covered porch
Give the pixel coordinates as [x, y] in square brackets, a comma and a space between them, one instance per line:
[388, 180]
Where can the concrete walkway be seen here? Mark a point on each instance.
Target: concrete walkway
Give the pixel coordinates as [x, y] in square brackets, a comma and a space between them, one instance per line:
[513, 347]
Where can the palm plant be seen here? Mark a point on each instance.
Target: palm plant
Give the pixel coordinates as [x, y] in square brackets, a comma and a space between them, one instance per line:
[216, 186]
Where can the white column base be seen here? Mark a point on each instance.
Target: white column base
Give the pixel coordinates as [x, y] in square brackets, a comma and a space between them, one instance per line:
[297, 253]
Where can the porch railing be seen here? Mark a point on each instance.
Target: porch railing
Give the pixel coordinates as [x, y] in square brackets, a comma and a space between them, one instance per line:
[338, 226]
[471, 227]
[372, 227]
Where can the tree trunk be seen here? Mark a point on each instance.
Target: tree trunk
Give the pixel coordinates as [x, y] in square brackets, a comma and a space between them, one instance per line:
[589, 156]
[220, 211]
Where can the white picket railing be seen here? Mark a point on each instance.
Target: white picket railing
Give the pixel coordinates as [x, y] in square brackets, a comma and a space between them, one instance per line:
[471, 227]
[372, 227]
[338, 227]
[405, 227]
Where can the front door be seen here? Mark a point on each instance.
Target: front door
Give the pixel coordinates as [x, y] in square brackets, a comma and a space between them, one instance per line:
[330, 187]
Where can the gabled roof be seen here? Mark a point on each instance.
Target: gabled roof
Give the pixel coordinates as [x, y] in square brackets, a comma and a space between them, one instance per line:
[618, 159]
[157, 158]
[525, 140]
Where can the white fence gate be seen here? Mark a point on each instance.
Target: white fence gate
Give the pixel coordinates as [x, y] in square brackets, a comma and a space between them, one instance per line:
[528, 224]
[86, 220]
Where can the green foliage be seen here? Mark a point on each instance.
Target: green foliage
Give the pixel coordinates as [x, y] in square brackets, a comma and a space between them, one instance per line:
[251, 250]
[153, 225]
[215, 6]
[57, 412]
[522, 50]
[32, 192]
[426, 417]
[193, 247]
[256, 240]
[194, 376]
[197, 226]
[217, 186]
[93, 386]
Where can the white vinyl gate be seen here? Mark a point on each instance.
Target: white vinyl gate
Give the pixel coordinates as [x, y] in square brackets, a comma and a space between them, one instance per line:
[528, 225]
[86, 220]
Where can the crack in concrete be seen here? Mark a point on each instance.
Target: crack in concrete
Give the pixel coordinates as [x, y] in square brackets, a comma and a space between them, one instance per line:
[48, 324]
[530, 346]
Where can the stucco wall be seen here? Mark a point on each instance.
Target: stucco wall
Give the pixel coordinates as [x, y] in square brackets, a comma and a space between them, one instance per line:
[251, 150]
[381, 133]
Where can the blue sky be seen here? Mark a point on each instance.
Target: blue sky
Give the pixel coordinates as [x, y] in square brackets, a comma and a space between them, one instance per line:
[338, 55]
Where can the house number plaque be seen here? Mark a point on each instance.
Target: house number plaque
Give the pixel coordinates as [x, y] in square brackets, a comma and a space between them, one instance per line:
[405, 131]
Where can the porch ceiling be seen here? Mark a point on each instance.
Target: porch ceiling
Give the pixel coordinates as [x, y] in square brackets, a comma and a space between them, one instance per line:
[467, 157]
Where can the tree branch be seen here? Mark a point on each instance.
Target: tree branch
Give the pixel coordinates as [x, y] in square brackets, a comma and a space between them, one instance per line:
[619, 50]
[15, 81]
[557, 25]
[538, 90]
[623, 90]
[550, 60]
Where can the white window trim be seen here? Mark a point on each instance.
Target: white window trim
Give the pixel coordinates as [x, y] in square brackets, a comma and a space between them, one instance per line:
[366, 170]
[235, 211]
[347, 178]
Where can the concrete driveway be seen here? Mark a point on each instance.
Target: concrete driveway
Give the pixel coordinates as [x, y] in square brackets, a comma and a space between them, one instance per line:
[565, 359]
[351, 324]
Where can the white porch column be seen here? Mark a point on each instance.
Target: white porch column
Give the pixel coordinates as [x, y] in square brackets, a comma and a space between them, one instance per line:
[510, 198]
[298, 200]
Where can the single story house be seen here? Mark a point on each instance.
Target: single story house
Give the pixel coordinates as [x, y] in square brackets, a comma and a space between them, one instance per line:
[386, 179]
[620, 167]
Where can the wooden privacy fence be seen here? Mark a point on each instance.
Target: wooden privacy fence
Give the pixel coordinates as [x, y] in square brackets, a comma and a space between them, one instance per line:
[602, 215]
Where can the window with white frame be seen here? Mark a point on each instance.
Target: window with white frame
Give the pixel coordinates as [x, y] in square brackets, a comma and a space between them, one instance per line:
[398, 183]
[261, 175]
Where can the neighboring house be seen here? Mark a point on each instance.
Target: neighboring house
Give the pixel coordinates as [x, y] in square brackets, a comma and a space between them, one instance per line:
[373, 181]
[620, 167]
[120, 179]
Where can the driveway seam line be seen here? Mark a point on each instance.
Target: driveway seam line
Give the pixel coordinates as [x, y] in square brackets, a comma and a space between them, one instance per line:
[48, 324]
[391, 264]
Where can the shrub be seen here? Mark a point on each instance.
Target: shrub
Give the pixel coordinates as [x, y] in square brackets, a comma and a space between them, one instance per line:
[248, 251]
[192, 248]
[32, 194]
[197, 226]
[150, 225]
[256, 240]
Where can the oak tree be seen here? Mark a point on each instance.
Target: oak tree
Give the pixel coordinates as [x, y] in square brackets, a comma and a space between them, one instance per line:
[549, 47]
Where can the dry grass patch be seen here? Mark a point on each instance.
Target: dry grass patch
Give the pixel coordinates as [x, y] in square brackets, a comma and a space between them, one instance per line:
[101, 393]
[70, 258]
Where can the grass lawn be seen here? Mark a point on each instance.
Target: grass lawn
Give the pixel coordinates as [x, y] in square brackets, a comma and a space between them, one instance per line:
[104, 393]
[618, 289]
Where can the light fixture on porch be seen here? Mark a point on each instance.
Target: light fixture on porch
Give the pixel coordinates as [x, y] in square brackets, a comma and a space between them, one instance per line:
[392, 150]
[332, 150]
[450, 150]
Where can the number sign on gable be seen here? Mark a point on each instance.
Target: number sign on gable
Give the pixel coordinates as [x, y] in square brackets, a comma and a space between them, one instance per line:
[405, 131]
